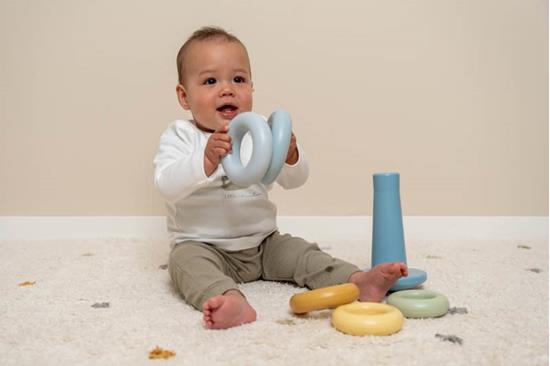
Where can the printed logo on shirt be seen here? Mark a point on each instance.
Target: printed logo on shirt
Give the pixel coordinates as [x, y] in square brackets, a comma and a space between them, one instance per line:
[232, 191]
[244, 193]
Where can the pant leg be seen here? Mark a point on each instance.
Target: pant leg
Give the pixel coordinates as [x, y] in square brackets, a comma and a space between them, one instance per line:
[288, 258]
[244, 265]
[199, 272]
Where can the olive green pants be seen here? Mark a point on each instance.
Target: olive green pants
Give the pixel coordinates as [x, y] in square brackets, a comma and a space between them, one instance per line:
[201, 271]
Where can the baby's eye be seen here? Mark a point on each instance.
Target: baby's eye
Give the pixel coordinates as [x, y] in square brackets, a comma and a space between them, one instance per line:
[209, 81]
[239, 79]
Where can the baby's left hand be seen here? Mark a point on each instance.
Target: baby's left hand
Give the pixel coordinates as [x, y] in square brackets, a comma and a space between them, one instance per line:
[292, 155]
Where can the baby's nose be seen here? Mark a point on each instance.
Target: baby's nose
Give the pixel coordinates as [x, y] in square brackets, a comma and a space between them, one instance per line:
[227, 90]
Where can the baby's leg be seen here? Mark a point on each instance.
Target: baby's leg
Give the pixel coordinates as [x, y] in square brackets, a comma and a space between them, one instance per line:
[288, 258]
[202, 276]
[375, 283]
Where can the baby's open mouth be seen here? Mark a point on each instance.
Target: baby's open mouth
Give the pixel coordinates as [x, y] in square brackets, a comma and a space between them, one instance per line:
[226, 108]
[227, 111]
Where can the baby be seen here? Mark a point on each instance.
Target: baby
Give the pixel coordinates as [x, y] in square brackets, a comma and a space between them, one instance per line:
[221, 234]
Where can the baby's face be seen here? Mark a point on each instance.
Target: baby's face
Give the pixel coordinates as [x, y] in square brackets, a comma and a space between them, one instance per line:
[217, 82]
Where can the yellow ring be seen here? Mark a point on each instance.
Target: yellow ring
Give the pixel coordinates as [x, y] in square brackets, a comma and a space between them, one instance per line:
[367, 318]
[323, 298]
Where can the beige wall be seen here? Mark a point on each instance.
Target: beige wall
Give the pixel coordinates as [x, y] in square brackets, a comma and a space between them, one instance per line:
[451, 94]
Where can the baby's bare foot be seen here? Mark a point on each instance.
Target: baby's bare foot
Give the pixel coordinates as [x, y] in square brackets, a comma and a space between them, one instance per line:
[374, 284]
[227, 310]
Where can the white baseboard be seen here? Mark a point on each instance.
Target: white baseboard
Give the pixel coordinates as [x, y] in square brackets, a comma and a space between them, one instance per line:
[315, 228]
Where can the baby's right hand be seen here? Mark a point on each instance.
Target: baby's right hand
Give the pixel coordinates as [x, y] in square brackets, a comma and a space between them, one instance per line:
[218, 145]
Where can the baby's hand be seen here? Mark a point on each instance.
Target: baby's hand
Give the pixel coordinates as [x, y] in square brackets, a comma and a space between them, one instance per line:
[218, 145]
[292, 155]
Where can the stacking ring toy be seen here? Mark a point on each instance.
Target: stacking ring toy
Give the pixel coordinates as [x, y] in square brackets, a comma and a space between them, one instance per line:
[419, 303]
[270, 147]
[323, 298]
[367, 318]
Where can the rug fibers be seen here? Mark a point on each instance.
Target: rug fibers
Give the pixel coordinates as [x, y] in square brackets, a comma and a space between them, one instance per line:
[111, 302]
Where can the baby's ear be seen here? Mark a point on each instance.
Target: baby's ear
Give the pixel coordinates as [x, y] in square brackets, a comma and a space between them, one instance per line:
[182, 96]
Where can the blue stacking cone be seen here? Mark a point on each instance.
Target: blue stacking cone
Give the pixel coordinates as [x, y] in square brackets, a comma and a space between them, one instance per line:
[388, 241]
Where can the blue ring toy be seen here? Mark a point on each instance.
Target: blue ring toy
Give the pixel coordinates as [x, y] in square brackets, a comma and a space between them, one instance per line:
[270, 146]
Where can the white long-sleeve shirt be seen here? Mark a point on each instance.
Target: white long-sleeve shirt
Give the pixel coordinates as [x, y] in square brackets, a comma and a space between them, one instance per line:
[212, 209]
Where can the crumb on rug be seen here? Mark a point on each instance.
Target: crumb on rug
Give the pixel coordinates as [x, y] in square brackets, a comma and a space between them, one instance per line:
[159, 353]
[27, 283]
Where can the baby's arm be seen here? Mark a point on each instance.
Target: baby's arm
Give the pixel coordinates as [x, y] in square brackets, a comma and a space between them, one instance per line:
[218, 145]
[180, 163]
[296, 169]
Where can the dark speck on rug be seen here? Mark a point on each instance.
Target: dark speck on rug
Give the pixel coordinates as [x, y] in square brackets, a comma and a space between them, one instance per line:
[286, 322]
[429, 256]
[100, 305]
[536, 270]
[449, 338]
[163, 266]
[455, 310]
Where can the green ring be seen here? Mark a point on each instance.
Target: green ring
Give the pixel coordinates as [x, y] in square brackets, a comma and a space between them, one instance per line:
[419, 303]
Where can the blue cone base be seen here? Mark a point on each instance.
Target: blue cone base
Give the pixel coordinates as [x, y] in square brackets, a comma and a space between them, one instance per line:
[415, 278]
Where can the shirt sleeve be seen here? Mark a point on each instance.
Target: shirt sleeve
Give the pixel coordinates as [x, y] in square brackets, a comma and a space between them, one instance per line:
[293, 176]
[179, 162]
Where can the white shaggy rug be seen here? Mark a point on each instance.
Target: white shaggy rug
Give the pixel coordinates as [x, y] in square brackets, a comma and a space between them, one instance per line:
[111, 302]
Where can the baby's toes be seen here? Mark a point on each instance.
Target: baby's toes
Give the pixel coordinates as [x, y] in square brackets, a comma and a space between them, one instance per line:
[216, 302]
[396, 269]
[212, 304]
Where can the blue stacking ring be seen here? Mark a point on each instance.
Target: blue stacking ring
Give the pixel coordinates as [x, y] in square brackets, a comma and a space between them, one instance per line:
[281, 131]
[270, 141]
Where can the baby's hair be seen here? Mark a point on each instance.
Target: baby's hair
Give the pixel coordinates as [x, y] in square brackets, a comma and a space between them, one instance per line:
[203, 34]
